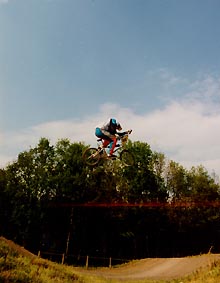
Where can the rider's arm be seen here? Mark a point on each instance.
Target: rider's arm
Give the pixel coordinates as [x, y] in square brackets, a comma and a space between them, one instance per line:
[105, 131]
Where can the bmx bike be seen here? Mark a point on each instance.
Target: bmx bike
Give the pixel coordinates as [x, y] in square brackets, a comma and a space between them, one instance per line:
[92, 156]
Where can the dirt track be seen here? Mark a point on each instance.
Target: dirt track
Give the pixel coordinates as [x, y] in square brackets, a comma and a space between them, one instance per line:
[157, 268]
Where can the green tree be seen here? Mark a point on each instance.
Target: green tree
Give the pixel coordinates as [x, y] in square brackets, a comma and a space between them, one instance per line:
[176, 179]
[4, 217]
[202, 186]
[69, 171]
[39, 188]
[39, 176]
[144, 183]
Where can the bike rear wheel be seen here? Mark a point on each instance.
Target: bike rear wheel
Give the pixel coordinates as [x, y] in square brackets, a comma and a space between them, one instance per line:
[127, 158]
[91, 156]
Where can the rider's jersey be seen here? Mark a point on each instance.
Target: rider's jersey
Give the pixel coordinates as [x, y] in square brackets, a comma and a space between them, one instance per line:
[111, 129]
[108, 129]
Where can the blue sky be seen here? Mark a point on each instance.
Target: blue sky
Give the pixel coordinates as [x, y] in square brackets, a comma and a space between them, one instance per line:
[68, 65]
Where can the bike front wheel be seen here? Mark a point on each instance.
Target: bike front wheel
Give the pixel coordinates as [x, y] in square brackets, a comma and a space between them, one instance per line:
[127, 158]
[91, 156]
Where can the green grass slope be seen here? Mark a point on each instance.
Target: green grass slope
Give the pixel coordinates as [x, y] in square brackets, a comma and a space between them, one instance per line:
[19, 265]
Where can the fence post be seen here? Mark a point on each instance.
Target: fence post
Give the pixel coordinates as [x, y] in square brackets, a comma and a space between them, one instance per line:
[87, 261]
[110, 262]
[63, 258]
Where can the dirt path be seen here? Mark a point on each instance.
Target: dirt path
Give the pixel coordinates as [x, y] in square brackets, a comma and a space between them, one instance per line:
[156, 268]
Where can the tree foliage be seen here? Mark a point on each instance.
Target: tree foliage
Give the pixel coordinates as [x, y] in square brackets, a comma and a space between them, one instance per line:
[39, 189]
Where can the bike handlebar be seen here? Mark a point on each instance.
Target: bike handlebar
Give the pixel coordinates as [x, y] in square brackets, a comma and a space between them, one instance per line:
[122, 135]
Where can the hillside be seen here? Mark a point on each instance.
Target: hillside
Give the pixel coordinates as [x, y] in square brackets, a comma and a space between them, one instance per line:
[19, 265]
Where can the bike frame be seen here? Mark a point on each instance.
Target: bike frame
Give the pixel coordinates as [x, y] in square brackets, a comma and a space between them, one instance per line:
[92, 155]
[119, 146]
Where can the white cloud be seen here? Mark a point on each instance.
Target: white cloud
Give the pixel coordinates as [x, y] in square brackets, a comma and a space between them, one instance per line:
[169, 78]
[187, 131]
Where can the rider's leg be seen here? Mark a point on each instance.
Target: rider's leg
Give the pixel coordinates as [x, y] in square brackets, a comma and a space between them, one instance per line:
[99, 133]
[106, 143]
[112, 145]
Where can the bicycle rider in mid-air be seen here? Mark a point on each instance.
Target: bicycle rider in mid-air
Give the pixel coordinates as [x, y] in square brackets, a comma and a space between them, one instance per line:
[108, 133]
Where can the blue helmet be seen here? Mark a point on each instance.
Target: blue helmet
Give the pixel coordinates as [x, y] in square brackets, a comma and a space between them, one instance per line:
[113, 122]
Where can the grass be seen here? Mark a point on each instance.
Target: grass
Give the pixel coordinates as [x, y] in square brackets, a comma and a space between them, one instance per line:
[20, 266]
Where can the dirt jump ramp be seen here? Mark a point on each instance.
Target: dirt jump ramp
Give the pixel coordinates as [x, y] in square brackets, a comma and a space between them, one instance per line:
[158, 268]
